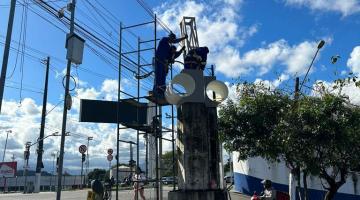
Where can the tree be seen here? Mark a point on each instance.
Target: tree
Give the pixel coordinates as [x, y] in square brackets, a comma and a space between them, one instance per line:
[227, 166]
[167, 160]
[317, 134]
[98, 174]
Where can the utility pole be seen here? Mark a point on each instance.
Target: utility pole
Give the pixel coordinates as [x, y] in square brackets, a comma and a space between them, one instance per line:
[26, 163]
[293, 172]
[297, 90]
[39, 163]
[6, 50]
[7, 135]
[63, 129]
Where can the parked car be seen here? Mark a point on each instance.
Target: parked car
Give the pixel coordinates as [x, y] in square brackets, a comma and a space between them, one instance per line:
[229, 179]
[168, 180]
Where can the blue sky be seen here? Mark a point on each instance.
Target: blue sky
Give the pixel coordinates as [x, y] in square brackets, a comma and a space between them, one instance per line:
[271, 41]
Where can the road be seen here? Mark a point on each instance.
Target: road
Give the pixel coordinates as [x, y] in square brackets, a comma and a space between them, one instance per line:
[82, 194]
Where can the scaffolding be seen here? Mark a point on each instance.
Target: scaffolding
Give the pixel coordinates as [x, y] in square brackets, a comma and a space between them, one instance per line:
[154, 129]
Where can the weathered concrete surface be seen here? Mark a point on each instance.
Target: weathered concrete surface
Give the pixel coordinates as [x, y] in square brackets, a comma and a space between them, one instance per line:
[198, 153]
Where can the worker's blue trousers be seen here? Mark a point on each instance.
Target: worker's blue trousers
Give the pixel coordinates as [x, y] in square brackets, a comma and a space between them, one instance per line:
[160, 78]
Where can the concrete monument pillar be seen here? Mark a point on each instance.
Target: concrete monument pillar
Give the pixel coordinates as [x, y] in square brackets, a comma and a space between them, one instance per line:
[198, 149]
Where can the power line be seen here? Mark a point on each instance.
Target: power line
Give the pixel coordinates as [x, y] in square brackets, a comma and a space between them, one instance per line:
[20, 39]
[147, 8]
[94, 39]
[21, 88]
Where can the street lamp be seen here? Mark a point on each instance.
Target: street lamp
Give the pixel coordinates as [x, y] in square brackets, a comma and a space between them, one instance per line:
[7, 135]
[320, 45]
[87, 154]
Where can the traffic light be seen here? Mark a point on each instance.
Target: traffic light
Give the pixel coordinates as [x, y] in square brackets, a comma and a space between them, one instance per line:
[83, 157]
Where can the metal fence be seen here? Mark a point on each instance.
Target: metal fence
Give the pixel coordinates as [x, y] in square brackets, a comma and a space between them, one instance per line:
[48, 183]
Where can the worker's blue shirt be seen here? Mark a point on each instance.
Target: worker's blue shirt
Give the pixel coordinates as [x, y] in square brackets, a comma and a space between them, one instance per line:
[163, 51]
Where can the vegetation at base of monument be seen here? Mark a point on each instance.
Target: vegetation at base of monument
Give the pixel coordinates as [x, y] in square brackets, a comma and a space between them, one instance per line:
[316, 134]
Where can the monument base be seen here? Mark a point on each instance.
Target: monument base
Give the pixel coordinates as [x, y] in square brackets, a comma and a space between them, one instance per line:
[198, 195]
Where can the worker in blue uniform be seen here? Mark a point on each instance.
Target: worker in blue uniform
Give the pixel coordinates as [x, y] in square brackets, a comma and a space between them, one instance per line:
[165, 54]
[196, 58]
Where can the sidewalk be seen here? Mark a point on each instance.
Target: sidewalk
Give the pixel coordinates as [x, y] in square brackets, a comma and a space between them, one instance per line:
[238, 196]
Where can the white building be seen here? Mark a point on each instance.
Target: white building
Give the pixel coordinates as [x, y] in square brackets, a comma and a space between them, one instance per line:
[249, 173]
[124, 171]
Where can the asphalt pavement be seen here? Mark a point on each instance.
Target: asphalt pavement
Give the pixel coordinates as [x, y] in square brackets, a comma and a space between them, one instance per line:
[82, 195]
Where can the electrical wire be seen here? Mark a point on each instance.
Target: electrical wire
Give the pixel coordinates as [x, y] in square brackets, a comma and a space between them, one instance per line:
[20, 39]
[106, 47]
[22, 48]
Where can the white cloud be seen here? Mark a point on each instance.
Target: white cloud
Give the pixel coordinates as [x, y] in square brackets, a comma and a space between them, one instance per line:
[294, 58]
[300, 57]
[219, 28]
[110, 88]
[24, 121]
[29, 107]
[349, 90]
[233, 94]
[345, 7]
[354, 61]
[233, 2]
[274, 83]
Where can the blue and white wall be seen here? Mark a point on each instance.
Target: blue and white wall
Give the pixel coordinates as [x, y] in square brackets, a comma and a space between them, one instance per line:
[249, 173]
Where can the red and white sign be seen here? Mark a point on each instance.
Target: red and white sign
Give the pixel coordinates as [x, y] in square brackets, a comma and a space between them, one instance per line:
[109, 157]
[8, 169]
[82, 148]
[110, 151]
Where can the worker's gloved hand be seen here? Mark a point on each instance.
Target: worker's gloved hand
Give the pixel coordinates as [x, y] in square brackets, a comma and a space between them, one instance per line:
[186, 36]
[183, 48]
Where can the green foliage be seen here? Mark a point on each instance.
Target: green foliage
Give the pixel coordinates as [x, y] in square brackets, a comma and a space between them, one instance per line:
[167, 160]
[98, 174]
[317, 134]
[248, 126]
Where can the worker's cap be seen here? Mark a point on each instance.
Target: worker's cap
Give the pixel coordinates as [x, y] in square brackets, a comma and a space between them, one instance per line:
[172, 36]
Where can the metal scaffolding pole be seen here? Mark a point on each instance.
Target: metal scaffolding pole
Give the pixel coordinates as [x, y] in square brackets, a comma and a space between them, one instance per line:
[137, 115]
[172, 138]
[156, 128]
[157, 119]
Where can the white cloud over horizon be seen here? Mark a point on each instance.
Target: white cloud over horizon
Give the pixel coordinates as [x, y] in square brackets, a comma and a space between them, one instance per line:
[345, 7]
[24, 121]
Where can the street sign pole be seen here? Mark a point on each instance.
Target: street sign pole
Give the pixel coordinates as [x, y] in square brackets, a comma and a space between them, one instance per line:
[109, 158]
[82, 150]
[81, 174]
